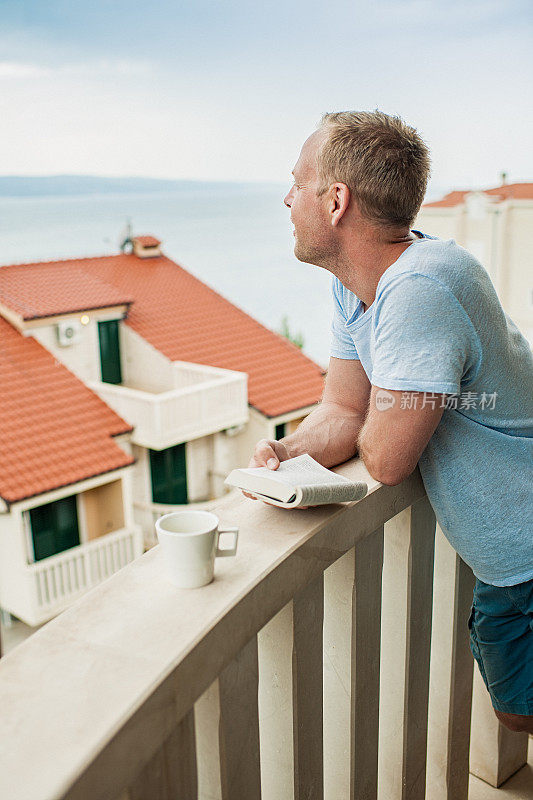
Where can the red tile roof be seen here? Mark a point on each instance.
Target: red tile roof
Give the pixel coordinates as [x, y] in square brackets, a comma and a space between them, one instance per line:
[55, 431]
[515, 191]
[147, 241]
[188, 321]
[43, 290]
[449, 200]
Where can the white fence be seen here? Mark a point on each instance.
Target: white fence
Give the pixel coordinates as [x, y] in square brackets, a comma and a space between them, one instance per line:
[59, 579]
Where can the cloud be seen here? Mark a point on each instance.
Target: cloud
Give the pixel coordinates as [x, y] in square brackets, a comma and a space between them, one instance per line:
[230, 89]
[120, 67]
[103, 67]
[12, 69]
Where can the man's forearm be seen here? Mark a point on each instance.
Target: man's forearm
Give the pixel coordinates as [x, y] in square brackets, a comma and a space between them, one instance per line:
[329, 434]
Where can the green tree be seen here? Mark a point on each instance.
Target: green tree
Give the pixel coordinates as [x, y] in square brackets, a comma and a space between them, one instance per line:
[295, 338]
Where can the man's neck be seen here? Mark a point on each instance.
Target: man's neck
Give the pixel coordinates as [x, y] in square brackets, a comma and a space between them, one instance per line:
[365, 262]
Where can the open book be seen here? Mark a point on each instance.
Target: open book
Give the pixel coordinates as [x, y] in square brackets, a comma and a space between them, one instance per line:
[299, 481]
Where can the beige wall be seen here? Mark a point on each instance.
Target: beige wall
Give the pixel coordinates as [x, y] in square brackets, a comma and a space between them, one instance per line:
[209, 460]
[226, 458]
[143, 367]
[446, 223]
[142, 490]
[258, 427]
[199, 458]
[517, 282]
[82, 357]
[13, 558]
[103, 509]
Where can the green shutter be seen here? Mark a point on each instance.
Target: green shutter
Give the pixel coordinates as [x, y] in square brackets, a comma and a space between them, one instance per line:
[54, 527]
[108, 335]
[169, 475]
[280, 431]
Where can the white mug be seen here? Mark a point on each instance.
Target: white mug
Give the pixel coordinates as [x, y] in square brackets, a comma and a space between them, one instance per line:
[189, 543]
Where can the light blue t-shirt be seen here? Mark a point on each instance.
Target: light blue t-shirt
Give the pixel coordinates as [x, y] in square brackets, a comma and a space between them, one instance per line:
[436, 326]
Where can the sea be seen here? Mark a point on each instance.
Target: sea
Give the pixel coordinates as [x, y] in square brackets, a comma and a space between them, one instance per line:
[237, 238]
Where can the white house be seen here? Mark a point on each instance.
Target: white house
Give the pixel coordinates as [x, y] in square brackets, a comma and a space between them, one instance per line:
[127, 386]
[495, 225]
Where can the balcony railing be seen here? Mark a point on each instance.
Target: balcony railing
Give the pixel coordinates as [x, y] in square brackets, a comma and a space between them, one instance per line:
[302, 671]
[207, 402]
[56, 581]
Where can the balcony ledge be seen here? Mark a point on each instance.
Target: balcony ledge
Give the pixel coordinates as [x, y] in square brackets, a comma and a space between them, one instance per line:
[164, 419]
[102, 685]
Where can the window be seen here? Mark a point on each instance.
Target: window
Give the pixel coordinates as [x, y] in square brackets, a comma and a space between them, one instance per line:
[108, 335]
[280, 431]
[169, 475]
[54, 527]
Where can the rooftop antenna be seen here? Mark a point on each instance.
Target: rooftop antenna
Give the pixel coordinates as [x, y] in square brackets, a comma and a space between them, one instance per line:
[126, 238]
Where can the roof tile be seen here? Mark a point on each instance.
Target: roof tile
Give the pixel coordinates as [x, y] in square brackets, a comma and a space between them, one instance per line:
[55, 431]
[43, 290]
[147, 241]
[184, 319]
[507, 191]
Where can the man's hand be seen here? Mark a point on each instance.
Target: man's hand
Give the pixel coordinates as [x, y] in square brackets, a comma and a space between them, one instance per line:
[267, 453]
[329, 433]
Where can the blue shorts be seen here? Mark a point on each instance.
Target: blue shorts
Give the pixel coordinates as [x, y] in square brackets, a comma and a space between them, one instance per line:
[501, 640]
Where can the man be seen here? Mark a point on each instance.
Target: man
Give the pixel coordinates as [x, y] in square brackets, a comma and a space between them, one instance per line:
[425, 368]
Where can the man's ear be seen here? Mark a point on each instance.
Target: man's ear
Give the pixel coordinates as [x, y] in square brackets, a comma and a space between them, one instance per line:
[339, 201]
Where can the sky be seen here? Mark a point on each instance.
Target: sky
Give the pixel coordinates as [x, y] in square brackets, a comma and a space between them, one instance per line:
[229, 89]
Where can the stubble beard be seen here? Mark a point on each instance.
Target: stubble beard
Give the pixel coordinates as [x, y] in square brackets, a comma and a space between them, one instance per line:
[321, 254]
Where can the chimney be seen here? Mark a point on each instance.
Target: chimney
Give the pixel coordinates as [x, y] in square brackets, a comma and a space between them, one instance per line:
[503, 178]
[146, 246]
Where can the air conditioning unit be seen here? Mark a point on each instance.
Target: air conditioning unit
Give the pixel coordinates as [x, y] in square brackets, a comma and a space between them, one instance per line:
[68, 333]
[234, 431]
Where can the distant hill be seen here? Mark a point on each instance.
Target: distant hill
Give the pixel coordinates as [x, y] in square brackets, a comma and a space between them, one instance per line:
[39, 186]
[58, 185]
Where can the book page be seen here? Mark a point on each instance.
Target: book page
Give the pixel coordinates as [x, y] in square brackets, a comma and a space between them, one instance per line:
[300, 471]
[316, 484]
[322, 493]
[273, 501]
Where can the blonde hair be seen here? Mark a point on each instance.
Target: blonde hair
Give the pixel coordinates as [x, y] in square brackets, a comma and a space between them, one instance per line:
[382, 160]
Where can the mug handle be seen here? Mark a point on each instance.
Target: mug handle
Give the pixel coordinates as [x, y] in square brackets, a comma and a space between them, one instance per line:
[229, 551]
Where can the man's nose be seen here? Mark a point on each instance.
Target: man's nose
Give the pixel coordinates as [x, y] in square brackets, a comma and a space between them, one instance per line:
[288, 199]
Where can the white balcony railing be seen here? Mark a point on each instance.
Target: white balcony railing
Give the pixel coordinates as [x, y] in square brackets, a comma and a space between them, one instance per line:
[58, 580]
[163, 419]
[302, 671]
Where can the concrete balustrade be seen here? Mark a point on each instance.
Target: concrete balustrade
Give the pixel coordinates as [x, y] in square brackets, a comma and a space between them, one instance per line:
[306, 669]
[188, 411]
